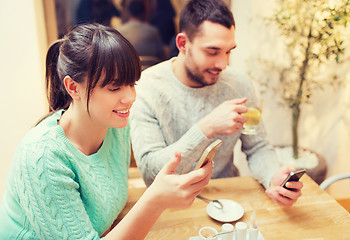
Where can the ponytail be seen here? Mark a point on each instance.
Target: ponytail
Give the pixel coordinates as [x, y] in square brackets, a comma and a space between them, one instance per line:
[56, 93]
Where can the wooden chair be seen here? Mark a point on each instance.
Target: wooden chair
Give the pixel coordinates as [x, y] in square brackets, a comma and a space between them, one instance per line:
[148, 61]
[135, 178]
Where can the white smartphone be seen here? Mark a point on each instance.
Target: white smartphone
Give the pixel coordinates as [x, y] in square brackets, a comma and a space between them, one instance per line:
[208, 153]
[293, 176]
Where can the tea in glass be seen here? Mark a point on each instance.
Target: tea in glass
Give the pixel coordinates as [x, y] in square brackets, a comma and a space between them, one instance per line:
[253, 119]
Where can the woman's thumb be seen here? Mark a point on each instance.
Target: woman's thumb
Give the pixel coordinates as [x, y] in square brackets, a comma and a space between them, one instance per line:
[170, 167]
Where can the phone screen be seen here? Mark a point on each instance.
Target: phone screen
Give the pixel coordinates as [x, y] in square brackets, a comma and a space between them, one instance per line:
[293, 176]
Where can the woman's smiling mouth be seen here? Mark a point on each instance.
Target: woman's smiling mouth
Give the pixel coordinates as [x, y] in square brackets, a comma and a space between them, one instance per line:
[122, 113]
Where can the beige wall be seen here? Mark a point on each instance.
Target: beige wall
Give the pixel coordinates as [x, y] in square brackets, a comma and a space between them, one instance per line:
[22, 99]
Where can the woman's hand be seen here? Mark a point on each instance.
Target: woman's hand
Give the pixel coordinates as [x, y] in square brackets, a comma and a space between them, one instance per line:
[169, 190]
[172, 190]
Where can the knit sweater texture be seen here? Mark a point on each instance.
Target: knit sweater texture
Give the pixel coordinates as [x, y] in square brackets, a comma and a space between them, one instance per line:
[164, 119]
[54, 191]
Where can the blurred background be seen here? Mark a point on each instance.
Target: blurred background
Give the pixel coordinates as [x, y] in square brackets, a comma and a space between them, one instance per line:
[30, 26]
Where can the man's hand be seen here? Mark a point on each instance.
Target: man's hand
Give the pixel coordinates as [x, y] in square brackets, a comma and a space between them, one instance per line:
[281, 195]
[226, 119]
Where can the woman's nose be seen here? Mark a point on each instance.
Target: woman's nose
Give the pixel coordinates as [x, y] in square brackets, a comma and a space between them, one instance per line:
[129, 96]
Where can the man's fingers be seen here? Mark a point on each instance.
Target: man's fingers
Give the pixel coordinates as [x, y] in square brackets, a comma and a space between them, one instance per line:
[240, 100]
[291, 194]
[240, 109]
[294, 185]
[283, 196]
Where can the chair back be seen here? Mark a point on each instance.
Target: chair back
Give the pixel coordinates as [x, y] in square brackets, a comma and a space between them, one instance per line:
[148, 61]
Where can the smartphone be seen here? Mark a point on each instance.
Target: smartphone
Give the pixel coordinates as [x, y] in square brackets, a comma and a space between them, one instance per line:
[208, 153]
[294, 177]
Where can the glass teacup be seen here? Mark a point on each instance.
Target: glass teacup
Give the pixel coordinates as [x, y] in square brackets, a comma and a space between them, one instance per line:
[253, 117]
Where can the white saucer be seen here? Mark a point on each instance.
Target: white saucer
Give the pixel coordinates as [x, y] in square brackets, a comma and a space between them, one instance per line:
[260, 236]
[231, 211]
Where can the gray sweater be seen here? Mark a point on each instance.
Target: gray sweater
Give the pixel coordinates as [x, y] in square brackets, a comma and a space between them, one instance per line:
[164, 119]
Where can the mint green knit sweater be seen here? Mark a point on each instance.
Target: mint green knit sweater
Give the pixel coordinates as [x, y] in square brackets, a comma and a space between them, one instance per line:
[56, 192]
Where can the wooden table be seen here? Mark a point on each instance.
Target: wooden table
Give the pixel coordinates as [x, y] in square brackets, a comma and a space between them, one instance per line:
[315, 216]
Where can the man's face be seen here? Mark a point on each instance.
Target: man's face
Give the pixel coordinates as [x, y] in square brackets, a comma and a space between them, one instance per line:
[208, 54]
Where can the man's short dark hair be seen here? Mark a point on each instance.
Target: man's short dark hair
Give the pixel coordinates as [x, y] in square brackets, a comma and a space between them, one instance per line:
[196, 12]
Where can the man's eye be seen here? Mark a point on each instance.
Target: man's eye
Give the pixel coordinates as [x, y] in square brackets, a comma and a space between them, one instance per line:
[212, 53]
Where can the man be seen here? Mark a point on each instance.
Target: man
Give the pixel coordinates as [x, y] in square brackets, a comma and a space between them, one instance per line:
[191, 100]
[145, 38]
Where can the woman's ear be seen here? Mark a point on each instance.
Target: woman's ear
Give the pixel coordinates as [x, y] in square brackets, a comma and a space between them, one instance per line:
[71, 87]
[181, 40]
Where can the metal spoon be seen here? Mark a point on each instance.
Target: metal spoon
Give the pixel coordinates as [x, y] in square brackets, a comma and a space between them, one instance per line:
[216, 203]
[223, 233]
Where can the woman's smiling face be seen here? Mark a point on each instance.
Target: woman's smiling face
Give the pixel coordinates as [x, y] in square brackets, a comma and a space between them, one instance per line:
[109, 106]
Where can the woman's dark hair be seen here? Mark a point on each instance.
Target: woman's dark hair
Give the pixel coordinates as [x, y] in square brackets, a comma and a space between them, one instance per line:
[197, 11]
[87, 53]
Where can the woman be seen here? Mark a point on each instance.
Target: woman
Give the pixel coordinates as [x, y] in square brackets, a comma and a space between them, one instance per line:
[68, 178]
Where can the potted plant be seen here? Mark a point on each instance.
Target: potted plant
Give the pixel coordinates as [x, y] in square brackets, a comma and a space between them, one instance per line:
[312, 32]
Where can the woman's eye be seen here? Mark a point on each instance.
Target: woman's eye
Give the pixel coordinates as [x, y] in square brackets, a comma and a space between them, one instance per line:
[114, 89]
[133, 84]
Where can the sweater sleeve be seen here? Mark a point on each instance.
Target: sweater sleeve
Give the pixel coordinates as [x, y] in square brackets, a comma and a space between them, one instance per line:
[49, 196]
[262, 159]
[151, 150]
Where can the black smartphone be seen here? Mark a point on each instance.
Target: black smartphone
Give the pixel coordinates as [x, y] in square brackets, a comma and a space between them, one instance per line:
[208, 153]
[294, 177]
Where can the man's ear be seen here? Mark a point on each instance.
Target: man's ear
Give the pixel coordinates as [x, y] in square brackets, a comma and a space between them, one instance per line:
[71, 87]
[181, 40]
